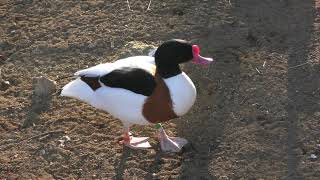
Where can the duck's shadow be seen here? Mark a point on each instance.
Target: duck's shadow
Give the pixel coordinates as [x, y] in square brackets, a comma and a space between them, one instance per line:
[120, 167]
[128, 152]
[152, 169]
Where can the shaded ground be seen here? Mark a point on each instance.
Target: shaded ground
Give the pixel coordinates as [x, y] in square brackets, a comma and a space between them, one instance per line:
[256, 116]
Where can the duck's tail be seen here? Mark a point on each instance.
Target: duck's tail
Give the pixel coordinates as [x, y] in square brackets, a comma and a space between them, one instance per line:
[78, 89]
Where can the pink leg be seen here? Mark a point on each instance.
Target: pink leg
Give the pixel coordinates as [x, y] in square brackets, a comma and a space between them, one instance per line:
[126, 138]
[170, 144]
[134, 142]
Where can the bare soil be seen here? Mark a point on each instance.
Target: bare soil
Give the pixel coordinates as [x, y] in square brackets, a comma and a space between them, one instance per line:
[257, 115]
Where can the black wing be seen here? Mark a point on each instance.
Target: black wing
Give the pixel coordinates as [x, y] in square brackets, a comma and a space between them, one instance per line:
[136, 80]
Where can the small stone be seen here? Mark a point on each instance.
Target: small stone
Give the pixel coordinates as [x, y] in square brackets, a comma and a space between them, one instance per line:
[43, 86]
[62, 143]
[92, 45]
[2, 57]
[313, 157]
[85, 7]
[152, 152]
[4, 85]
[112, 44]
[67, 138]
[42, 152]
[223, 177]
[317, 114]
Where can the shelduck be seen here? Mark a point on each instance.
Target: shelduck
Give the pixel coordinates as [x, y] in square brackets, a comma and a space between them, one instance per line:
[142, 90]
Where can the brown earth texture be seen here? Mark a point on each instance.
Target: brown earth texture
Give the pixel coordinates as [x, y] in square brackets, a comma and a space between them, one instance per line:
[257, 113]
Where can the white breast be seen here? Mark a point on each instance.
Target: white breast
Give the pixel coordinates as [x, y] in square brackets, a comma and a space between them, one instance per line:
[121, 103]
[183, 93]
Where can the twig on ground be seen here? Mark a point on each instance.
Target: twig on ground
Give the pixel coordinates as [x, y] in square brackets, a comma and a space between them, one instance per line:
[314, 92]
[208, 73]
[264, 63]
[45, 134]
[244, 100]
[42, 136]
[149, 5]
[258, 71]
[112, 42]
[292, 67]
[128, 5]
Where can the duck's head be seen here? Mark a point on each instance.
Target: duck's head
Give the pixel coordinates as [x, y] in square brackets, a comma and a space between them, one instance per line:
[171, 53]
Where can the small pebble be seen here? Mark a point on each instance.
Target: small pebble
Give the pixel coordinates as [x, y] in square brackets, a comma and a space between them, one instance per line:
[313, 157]
[61, 142]
[317, 114]
[67, 138]
[4, 85]
[92, 45]
[152, 152]
[42, 152]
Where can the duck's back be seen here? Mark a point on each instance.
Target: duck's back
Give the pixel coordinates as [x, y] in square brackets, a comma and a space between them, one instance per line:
[142, 62]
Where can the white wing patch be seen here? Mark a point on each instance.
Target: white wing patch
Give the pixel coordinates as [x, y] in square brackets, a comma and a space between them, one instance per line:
[95, 71]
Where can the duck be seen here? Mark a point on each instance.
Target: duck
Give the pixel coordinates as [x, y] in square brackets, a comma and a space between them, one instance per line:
[142, 90]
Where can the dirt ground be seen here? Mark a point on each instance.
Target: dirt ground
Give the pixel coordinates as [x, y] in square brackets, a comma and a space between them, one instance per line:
[257, 115]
